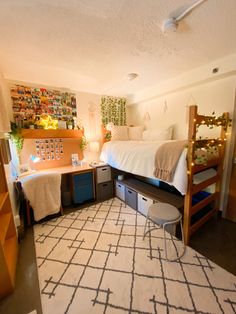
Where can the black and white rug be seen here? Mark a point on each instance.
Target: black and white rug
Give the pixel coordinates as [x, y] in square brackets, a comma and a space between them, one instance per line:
[96, 261]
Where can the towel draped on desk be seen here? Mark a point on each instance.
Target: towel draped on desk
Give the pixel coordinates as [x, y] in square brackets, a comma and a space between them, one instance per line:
[43, 191]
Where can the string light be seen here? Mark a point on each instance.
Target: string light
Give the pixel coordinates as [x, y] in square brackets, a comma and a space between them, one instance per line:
[209, 146]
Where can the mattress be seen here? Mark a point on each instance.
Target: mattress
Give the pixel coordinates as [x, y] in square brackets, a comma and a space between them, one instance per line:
[137, 157]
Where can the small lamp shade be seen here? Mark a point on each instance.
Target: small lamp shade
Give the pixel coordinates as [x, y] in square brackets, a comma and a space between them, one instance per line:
[94, 146]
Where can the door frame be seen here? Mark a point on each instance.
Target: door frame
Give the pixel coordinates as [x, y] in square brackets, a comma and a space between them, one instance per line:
[229, 161]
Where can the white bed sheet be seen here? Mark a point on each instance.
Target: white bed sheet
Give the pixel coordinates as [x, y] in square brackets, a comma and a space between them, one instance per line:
[138, 157]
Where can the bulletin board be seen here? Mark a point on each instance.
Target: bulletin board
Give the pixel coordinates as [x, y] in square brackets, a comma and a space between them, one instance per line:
[29, 103]
[49, 149]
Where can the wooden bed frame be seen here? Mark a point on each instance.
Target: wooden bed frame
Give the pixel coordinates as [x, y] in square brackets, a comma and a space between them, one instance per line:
[190, 210]
[217, 163]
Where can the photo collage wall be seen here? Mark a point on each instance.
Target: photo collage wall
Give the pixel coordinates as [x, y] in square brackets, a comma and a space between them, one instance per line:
[30, 103]
[49, 149]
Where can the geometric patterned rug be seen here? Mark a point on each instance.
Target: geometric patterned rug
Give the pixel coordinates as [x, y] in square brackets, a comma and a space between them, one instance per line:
[95, 260]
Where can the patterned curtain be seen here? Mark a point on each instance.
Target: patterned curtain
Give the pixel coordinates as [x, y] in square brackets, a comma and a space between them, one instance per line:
[113, 109]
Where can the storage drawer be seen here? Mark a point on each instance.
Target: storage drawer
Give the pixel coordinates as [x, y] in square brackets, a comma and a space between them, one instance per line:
[82, 178]
[131, 197]
[104, 191]
[120, 191]
[103, 174]
[144, 203]
[82, 187]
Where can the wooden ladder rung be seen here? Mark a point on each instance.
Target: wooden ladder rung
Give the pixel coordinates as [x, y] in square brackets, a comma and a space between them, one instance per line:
[203, 203]
[201, 221]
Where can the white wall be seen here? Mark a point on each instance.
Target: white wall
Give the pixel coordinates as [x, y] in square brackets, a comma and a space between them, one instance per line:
[167, 103]
[215, 96]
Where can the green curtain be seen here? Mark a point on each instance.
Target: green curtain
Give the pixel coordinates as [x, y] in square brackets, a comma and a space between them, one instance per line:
[113, 109]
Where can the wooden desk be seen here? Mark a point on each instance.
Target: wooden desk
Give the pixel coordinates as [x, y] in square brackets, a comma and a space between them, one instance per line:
[62, 170]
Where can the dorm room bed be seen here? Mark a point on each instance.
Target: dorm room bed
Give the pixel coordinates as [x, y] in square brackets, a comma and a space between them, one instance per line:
[138, 157]
[192, 175]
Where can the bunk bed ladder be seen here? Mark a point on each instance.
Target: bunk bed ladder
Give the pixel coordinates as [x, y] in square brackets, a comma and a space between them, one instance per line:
[189, 208]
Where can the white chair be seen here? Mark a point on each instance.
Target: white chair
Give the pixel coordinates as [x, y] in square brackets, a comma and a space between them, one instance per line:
[166, 216]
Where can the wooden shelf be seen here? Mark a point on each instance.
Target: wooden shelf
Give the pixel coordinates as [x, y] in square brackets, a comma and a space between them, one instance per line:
[11, 251]
[59, 133]
[3, 197]
[8, 237]
[4, 225]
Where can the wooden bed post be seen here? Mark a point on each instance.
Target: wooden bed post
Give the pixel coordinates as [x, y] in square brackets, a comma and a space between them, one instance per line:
[221, 157]
[190, 158]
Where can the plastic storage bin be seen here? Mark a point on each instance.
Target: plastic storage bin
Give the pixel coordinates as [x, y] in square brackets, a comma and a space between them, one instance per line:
[120, 191]
[131, 197]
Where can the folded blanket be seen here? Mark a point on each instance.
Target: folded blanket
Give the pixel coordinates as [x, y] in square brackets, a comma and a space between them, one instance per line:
[166, 159]
[43, 191]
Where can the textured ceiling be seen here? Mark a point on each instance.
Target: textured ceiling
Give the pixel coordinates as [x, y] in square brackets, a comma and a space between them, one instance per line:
[91, 45]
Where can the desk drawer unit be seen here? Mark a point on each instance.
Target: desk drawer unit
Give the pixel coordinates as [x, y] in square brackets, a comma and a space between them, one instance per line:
[120, 191]
[83, 189]
[104, 191]
[131, 197]
[144, 203]
[103, 174]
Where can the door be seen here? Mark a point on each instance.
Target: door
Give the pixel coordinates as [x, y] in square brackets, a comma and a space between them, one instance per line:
[231, 208]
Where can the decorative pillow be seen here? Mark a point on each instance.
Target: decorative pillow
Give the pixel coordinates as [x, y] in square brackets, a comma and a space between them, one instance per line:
[158, 135]
[136, 133]
[119, 133]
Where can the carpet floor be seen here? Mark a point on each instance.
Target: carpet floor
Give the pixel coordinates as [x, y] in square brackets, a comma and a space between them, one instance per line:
[95, 260]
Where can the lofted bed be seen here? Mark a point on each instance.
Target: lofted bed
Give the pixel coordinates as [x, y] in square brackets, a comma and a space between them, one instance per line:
[196, 168]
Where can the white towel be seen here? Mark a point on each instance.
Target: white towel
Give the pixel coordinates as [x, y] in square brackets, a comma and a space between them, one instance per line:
[43, 191]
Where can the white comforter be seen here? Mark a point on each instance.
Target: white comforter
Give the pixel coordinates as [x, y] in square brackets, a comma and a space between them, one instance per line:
[138, 157]
[43, 191]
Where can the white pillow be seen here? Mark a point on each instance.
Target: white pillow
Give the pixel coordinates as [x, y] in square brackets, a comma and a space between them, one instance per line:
[119, 133]
[136, 133]
[158, 135]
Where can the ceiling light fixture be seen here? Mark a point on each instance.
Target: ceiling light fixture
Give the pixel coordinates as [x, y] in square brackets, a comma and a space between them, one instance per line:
[172, 23]
[132, 76]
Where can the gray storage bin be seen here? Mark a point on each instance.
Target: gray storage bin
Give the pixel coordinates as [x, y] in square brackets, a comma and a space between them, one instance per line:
[131, 197]
[120, 191]
[104, 191]
[103, 174]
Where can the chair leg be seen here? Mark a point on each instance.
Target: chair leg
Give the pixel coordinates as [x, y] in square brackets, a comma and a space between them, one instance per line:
[144, 233]
[164, 231]
[28, 213]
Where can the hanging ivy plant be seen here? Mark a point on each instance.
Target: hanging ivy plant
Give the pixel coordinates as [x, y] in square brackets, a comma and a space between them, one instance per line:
[16, 137]
[83, 143]
[113, 109]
